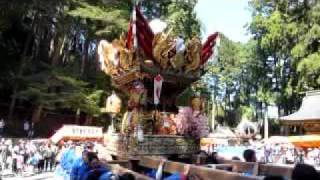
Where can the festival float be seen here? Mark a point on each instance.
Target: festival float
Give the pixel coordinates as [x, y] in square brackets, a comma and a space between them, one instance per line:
[152, 69]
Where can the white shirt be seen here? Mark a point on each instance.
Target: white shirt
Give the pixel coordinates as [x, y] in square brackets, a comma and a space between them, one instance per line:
[2, 124]
[26, 126]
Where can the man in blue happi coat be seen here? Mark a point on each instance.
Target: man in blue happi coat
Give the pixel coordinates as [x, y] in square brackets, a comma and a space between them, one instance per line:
[67, 160]
[80, 166]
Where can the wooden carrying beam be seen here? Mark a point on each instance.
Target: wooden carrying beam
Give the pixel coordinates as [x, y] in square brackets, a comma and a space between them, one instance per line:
[117, 169]
[123, 163]
[240, 166]
[263, 170]
[203, 172]
[268, 169]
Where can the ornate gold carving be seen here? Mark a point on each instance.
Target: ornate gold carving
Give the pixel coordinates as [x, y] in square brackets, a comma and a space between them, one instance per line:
[194, 47]
[162, 45]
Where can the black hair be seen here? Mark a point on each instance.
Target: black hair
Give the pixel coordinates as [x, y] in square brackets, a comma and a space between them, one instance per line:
[194, 176]
[85, 151]
[273, 178]
[235, 158]
[249, 155]
[92, 156]
[202, 152]
[127, 176]
[304, 171]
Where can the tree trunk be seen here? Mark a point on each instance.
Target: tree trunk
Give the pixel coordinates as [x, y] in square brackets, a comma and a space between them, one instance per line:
[58, 49]
[77, 121]
[23, 58]
[84, 56]
[88, 121]
[13, 101]
[36, 115]
[96, 59]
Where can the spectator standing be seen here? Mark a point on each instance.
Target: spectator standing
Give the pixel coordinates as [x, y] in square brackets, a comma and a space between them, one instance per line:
[26, 128]
[3, 154]
[47, 157]
[9, 158]
[2, 125]
[54, 151]
[42, 158]
[15, 151]
[267, 154]
[300, 156]
[19, 163]
[34, 160]
[31, 130]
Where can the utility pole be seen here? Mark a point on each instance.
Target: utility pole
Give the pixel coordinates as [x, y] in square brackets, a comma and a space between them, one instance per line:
[266, 123]
[212, 112]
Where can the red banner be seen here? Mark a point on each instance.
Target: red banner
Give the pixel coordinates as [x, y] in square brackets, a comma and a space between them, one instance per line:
[207, 48]
[144, 34]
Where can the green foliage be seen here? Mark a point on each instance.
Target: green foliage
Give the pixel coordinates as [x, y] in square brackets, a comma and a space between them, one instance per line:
[48, 50]
[234, 79]
[101, 19]
[308, 69]
[182, 18]
[288, 34]
[179, 14]
[57, 69]
[247, 112]
[55, 88]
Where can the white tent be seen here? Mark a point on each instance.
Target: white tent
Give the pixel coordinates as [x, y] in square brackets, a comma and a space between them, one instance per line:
[222, 132]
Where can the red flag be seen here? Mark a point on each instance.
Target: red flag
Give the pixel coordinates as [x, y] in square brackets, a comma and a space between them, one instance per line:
[143, 34]
[207, 48]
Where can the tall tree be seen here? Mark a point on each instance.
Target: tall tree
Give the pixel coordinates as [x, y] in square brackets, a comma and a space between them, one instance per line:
[51, 42]
[288, 33]
[179, 14]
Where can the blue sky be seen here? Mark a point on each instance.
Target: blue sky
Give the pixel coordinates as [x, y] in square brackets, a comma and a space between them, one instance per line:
[226, 16]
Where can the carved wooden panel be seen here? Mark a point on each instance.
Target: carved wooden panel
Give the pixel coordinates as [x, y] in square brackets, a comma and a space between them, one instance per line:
[117, 144]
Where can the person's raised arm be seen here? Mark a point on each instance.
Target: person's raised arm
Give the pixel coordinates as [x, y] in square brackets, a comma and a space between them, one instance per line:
[160, 169]
[186, 171]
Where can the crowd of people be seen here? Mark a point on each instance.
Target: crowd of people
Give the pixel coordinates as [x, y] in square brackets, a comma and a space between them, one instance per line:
[67, 161]
[28, 128]
[80, 161]
[273, 153]
[289, 155]
[19, 156]
[301, 171]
